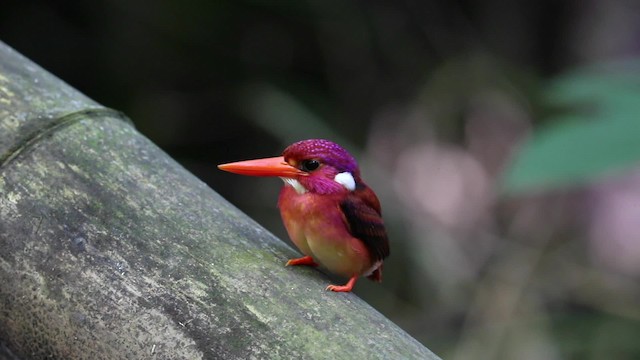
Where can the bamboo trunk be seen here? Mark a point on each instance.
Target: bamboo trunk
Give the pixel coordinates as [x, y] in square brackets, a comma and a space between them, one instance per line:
[109, 249]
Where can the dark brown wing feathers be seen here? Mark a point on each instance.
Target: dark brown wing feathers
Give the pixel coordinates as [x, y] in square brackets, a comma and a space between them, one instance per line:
[361, 211]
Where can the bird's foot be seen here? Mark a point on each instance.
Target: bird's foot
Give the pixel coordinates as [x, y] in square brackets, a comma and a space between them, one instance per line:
[305, 260]
[343, 288]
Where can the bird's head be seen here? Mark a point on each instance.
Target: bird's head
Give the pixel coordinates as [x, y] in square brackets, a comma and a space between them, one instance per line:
[315, 165]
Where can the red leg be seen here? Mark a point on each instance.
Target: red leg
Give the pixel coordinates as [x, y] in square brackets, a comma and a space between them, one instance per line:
[305, 260]
[344, 288]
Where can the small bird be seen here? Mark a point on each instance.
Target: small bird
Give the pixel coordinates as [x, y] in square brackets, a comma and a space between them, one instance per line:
[330, 214]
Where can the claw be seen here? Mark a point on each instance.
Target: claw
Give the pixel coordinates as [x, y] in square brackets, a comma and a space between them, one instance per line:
[343, 288]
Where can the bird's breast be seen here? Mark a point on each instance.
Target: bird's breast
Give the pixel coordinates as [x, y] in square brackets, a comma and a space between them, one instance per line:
[296, 209]
[316, 226]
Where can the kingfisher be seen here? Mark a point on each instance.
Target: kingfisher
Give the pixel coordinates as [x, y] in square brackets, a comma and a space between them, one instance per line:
[330, 214]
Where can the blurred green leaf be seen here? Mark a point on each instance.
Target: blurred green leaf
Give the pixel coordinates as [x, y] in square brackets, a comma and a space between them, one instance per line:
[285, 117]
[597, 134]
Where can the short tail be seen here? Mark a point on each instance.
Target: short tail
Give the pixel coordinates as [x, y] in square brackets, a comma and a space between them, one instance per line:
[376, 275]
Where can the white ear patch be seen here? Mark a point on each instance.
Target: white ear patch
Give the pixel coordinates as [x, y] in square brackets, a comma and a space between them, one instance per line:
[346, 179]
[299, 188]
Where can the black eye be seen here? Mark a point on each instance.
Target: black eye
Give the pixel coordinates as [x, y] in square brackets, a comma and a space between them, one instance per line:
[309, 165]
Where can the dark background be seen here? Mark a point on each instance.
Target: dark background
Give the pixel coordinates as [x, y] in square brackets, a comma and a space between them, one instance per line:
[434, 98]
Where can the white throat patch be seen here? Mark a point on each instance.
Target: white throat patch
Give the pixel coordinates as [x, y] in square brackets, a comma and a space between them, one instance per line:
[295, 184]
[346, 179]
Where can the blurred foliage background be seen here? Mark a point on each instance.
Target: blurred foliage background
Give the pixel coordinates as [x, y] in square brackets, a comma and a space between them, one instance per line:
[502, 137]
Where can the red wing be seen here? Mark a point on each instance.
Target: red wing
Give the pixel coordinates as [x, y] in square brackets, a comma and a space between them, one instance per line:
[361, 210]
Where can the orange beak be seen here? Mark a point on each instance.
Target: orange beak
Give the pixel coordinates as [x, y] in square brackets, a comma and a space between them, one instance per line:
[275, 166]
